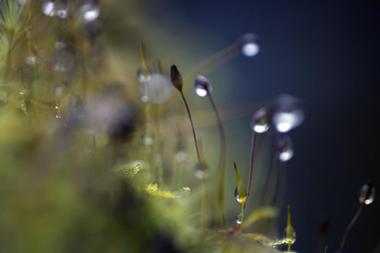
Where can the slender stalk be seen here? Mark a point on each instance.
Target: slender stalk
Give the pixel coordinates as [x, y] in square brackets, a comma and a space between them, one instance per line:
[204, 205]
[349, 227]
[251, 161]
[222, 158]
[193, 131]
[214, 60]
[157, 144]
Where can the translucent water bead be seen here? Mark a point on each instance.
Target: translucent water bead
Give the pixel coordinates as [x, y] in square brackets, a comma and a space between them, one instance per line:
[367, 194]
[202, 86]
[249, 46]
[154, 88]
[260, 122]
[285, 148]
[288, 113]
[89, 12]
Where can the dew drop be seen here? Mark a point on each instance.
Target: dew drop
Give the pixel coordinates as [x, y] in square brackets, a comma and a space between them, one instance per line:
[59, 90]
[58, 112]
[154, 88]
[62, 11]
[200, 174]
[202, 86]
[89, 12]
[147, 140]
[285, 148]
[64, 60]
[30, 60]
[59, 45]
[367, 194]
[22, 2]
[240, 198]
[181, 156]
[249, 45]
[289, 240]
[260, 121]
[239, 219]
[288, 114]
[48, 8]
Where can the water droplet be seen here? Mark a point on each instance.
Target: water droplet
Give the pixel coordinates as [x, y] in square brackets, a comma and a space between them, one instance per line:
[143, 75]
[367, 194]
[200, 174]
[22, 2]
[58, 112]
[289, 233]
[288, 114]
[89, 12]
[62, 11]
[59, 90]
[30, 60]
[260, 121]
[249, 45]
[181, 156]
[64, 60]
[239, 219]
[290, 240]
[186, 189]
[242, 197]
[154, 88]
[48, 8]
[59, 45]
[285, 148]
[147, 140]
[202, 86]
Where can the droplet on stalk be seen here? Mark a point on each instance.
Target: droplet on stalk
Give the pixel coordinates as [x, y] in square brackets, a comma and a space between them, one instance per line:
[202, 86]
[22, 2]
[287, 113]
[249, 45]
[240, 197]
[285, 148]
[367, 194]
[61, 11]
[200, 173]
[48, 8]
[239, 219]
[260, 122]
[240, 192]
[290, 234]
[89, 12]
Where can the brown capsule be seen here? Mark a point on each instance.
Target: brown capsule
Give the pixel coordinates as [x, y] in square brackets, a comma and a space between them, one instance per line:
[176, 77]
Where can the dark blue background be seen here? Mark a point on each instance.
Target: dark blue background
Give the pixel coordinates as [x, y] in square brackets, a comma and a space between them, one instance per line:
[327, 53]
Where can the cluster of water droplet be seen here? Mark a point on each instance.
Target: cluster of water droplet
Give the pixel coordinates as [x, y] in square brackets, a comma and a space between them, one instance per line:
[87, 12]
[284, 115]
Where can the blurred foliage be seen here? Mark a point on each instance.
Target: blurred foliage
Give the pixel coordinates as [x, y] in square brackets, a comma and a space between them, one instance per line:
[85, 165]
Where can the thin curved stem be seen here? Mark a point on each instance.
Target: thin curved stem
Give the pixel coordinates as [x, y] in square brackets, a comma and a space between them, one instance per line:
[222, 157]
[349, 227]
[193, 130]
[214, 60]
[251, 161]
